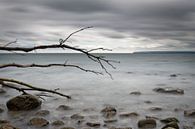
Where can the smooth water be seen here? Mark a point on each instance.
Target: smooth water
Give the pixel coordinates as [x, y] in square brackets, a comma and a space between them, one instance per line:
[136, 72]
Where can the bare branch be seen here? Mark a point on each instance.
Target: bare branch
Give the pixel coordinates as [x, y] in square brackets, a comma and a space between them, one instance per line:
[29, 87]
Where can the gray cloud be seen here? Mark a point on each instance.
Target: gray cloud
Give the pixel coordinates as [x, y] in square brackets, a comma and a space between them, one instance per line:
[158, 20]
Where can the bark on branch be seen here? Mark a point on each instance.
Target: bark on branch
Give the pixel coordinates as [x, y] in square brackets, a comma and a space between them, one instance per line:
[3, 82]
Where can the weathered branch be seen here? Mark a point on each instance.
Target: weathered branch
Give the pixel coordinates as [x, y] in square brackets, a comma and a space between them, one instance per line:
[28, 87]
[48, 65]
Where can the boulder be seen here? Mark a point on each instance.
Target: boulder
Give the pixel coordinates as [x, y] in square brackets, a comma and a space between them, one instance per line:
[23, 102]
[147, 123]
[42, 113]
[135, 93]
[63, 108]
[173, 125]
[93, 124]
[77, 116]
[169, 90]
[57, 123]
[169, 119]
[189, 113]
[8, 126]
[126, 115]
[109, 112]
[38, 122]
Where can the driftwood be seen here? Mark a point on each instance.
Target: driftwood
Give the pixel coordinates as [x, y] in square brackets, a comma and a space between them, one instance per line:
[98, 59]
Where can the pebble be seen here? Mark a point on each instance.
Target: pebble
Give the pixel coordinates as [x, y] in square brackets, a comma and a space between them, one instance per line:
[38, 122]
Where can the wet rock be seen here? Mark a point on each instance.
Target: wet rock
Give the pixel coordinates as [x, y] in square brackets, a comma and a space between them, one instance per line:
[152, 117]
[169, 119]
[3, 121]
[67, 128]
[189, 113]
[187, 127]
[173, 75]
[147, 123]
[135, 93]
[38, 122]
[23, 103]
[110, 121]
[169, 90]
[8, 126]
[120, 128]
[109, 112]
[63, 108]
[171, 125]
[2, 91]
[77, 116]
[148, 101]
[132, 114]
[93, 124]
[155, 109]
[57, 123]
[42, 113]
[1, 110]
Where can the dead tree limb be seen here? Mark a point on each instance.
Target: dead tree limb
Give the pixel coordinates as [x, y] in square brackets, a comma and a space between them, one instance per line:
[29, 87]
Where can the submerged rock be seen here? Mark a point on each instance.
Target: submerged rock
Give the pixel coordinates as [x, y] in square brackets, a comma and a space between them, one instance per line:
[1, 110]
[169, 90]
[173, 75]
[136, 93]
[152, 117]
[42, 113]
[23, 102]
[8, 126]
[147, 123]
[67, 128]
[109, 112]
[2, 91]
[77, 116]
[148, 101]
[155, 109]
[110, 121]
[38, 122]
[57, 123]
[93, 124]
[126, 115]
[189, 113]
[63, 108]
[169, 119]
[120, 128]
[4, 121]
[173, 125]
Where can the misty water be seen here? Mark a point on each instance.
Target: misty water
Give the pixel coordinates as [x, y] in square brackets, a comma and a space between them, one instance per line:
[91, 93]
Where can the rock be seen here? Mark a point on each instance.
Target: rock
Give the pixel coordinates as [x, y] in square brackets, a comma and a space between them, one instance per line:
[38, 122]
[155, 109]
[1, 110]
[23, 103]
[109, 112]
[187, 127]
[57, 123]
[135, 93]
[67, 128]
[173, 75]
[189, 113]
[77, 116]
[120, 128]
[93, 124]
[147, 123]
[63, 108]
[8, 126]
[132, 114]
[172, 125]
[169, 119]
[3, 121]
[42, 113]
[152, 117]
[169, 90]
[110, 121]
[2, 91]
[148, 101]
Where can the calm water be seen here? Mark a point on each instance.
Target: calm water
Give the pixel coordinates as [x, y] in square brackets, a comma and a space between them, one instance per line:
[136, 72]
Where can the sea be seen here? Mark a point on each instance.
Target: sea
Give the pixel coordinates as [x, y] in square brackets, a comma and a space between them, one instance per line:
[142, 71]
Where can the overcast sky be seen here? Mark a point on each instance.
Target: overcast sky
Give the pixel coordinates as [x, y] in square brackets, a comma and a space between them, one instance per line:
[122, 25]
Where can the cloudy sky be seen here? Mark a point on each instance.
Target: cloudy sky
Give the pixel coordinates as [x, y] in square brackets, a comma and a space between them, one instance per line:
[122, 25]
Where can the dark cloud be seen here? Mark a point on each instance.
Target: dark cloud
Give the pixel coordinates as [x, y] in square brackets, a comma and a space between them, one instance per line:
[158, 20]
